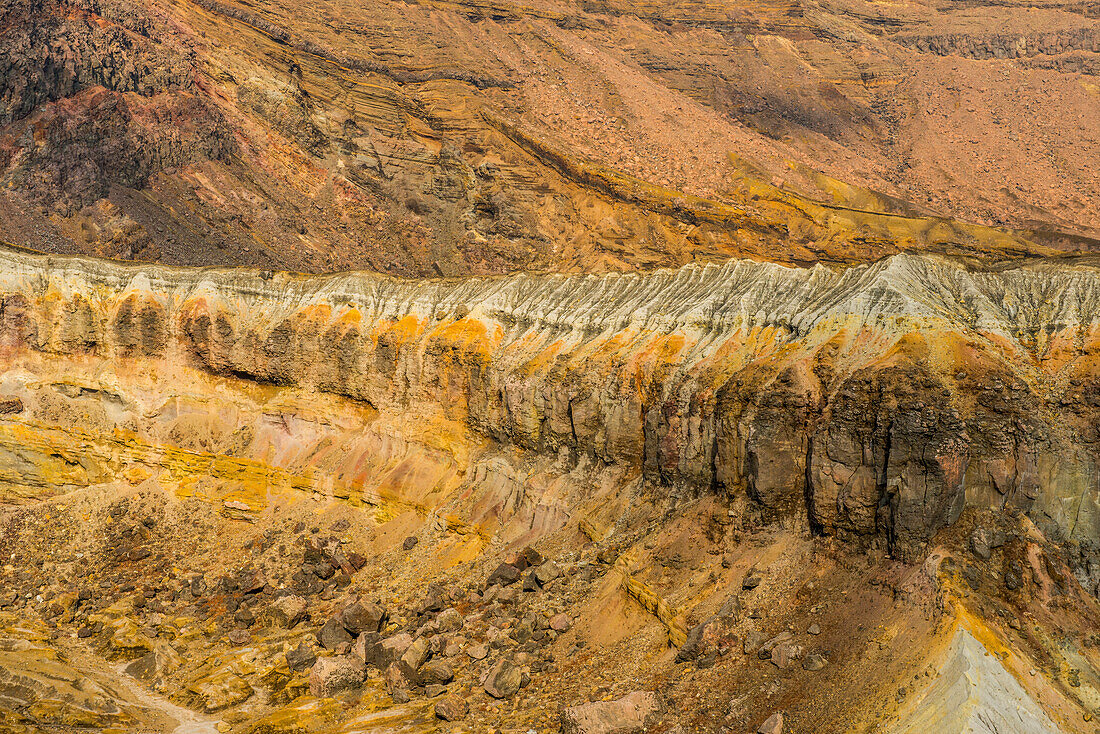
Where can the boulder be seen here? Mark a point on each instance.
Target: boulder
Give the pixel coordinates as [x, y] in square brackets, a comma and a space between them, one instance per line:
[437, 671]
[449, 620]
[396, 681]
[547, 572]
[364, 644]
[239, 637]
[772, 725]
[560, 623]
[362, 616]
[766, 649]
[435, 600]
[451, 708]
[333, 634]
[286, 611]
[415, 655]
[381, 653]
[410, 543]
[503, 679]
[331, 675]
[813, 661]
[753, 640]
[504, 575]
[630, 714]
[707, 637]
[782, 654]
[244, 617]
[527, 558]
[301, 657]
[251, 581]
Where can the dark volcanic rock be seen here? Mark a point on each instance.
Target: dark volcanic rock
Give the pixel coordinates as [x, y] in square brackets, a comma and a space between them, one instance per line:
[333, 634]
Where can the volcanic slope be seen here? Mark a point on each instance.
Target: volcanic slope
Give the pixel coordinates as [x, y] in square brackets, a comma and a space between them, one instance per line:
[440, 138]
[331, 503]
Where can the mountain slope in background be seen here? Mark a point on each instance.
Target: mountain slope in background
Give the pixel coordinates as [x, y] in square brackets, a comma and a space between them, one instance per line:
[451, 138]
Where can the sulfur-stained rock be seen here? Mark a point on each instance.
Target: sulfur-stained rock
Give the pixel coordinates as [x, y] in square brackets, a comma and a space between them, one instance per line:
[331, 675]
[630, 714]
[35, 680]
[451, 708]
[220, 690]
[128, 638]
[503, 679]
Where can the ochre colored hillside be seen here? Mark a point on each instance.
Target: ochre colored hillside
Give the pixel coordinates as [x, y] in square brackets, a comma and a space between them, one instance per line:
[423, 138]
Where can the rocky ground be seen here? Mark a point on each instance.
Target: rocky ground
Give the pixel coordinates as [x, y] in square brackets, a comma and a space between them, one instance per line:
[281, 625]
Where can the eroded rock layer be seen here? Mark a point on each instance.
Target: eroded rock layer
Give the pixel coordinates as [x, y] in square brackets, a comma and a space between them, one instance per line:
[874, 402]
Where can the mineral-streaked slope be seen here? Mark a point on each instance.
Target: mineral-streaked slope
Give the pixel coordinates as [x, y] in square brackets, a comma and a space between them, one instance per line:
[974, 693]
[444, 138]
[898, 392]
[743, 446]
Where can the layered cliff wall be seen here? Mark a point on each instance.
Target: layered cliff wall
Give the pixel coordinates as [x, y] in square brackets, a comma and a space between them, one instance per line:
[873, 402]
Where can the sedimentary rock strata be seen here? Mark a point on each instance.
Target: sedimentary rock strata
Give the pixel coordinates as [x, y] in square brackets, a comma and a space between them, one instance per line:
[873, 402]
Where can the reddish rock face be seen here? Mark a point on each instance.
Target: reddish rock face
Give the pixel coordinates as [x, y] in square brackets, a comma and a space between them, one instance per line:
[604, 138]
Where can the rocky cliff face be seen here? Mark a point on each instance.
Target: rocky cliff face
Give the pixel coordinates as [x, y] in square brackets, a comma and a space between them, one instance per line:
[872, 403]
